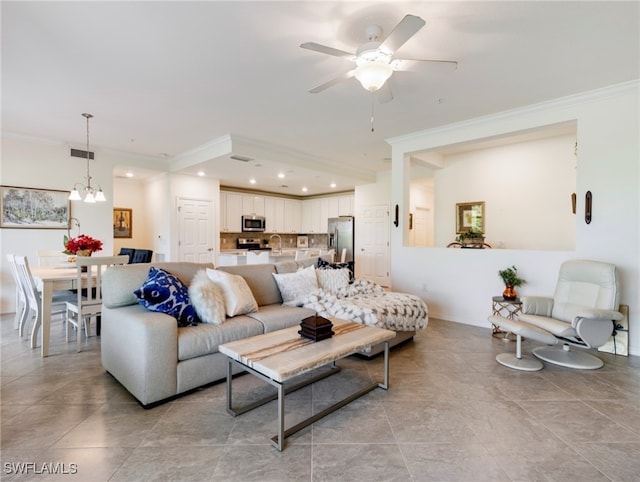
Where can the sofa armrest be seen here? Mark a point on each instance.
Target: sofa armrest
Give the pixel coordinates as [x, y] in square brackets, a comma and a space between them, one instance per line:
[537, 305]
[597, 314]
[140, 349]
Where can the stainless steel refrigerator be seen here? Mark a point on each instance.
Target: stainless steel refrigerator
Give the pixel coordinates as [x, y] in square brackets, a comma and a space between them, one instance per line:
[341, 235]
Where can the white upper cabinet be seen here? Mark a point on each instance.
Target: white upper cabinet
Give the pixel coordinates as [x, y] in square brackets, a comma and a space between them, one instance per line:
[292, 216]
[345, 205]
[231, 212]
[310, 214]
[252, 204]
[333, 209]
[274, 214]
[282, 215]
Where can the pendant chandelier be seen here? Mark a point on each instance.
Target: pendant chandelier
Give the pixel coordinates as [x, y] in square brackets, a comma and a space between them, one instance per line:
[91, 194]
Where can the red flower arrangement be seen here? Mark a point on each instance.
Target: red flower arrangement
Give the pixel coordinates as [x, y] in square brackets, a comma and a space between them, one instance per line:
[81, 242]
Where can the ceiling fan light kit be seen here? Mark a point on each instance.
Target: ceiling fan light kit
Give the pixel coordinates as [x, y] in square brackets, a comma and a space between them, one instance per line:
[375, 62]
[373, 75]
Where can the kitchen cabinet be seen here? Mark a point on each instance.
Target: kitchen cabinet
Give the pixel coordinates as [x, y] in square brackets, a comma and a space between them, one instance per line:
[315, 213]
[309, 213]
[230, 212]
[292, 214]
[274, 215]
[282, 215]
[252, 204]
[345, 205]
[333, 207]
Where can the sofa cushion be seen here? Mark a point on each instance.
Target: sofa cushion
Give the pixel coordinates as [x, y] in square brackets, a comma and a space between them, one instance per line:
[207, 298]
[238, 298]
[258, 277]
[322, 264]
[278, 317]
[292, 266]
[294, 287]
[204, 338]
[119, 282]
[332, 280]
[164, 293]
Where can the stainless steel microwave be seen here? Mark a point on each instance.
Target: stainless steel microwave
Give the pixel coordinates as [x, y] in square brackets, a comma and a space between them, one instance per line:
[252, 223]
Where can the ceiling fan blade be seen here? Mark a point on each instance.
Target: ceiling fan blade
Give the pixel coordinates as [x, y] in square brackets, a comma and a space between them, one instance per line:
[332, 82]
[436, 66]
[384, 93]
[406, 29]
[323, 49]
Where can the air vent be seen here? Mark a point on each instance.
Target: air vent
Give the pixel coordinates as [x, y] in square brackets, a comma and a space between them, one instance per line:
[236, 157]
[81, 153]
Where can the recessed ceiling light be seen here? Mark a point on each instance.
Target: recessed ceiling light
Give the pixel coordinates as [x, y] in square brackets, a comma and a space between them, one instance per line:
[304, 189]
[333, 184]
[281, 175]
[200, 173]
[252, 181]
[129, 174]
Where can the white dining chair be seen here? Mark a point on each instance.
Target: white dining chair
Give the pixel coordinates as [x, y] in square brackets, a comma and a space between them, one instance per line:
[88, 303]
[22, 306]
[34, 299]
[32, 295]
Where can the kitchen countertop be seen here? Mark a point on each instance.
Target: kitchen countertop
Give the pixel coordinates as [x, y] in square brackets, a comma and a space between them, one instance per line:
[273, 252]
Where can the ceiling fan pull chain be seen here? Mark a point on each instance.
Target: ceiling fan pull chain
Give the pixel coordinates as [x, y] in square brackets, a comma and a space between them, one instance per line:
[372, 112]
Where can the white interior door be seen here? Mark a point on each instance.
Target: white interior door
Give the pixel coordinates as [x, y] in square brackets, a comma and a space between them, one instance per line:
[372, 252]
[195, 227]
[421, 222]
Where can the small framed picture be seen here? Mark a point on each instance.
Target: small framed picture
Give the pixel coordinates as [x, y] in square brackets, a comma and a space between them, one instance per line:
[31, 208]
[470, 217]
[122, 223]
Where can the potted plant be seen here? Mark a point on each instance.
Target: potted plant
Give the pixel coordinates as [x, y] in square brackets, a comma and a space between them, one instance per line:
[510, 279]
[470, 237]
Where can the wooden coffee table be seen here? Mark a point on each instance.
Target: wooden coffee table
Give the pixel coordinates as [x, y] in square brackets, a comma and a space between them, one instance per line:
[279, 356]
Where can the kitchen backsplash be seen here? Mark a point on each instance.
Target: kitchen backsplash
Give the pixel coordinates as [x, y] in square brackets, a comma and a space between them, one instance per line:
[228, 240]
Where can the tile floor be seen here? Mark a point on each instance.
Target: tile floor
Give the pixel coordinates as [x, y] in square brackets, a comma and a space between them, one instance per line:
[451, 414]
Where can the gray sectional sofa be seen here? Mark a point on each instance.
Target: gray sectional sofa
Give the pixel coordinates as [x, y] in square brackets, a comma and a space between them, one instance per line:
[156, 360]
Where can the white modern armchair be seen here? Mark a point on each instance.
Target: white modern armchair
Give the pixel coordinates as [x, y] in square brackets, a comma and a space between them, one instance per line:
[581, 314]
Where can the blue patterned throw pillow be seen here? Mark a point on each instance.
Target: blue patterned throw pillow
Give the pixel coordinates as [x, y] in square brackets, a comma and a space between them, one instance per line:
[165, 293]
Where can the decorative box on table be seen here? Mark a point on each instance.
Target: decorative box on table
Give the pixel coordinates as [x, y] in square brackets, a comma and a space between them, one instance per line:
[316, 328]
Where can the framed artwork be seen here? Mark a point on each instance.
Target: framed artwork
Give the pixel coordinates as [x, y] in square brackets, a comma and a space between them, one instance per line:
[31, 208]
[470, 217]
[122, 223]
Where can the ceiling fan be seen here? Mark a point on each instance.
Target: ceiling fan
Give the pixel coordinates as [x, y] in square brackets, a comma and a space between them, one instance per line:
[375, 61]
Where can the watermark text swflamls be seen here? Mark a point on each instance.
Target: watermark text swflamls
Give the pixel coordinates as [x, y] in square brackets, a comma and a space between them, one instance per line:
[45, 468]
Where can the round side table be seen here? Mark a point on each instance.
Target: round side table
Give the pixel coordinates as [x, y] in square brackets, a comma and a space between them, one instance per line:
[507, 309]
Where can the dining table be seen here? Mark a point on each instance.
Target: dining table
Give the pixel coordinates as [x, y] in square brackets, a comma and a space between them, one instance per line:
[49, 279]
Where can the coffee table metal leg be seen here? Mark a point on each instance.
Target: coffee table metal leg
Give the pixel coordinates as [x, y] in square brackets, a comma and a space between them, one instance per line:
[280, 442]
[385, 384]
[229, 391]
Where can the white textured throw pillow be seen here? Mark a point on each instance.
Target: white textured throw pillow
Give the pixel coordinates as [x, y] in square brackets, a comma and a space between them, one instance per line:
[332, 280]
[207, 298]
[294, 287]
[238, 298]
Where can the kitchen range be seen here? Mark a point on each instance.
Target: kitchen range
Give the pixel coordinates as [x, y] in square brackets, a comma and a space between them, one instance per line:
[252, 244]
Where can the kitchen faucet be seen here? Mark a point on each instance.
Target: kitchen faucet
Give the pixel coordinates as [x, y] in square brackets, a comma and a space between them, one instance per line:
[279, 241]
